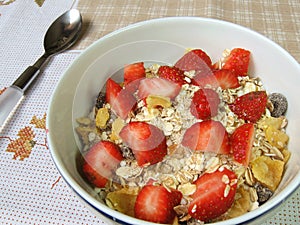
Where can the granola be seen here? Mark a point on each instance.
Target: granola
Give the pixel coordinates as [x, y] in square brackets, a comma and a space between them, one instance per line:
[181, 167]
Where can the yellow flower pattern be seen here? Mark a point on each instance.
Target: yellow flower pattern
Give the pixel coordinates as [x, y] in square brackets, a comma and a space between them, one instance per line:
[21, 148]
[39, 123]
[26, 134]
[23, 145]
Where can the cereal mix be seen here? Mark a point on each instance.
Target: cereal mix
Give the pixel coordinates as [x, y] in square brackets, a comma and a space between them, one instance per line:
[192, 143]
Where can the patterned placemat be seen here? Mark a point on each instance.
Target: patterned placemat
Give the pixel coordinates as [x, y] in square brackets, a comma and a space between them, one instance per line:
[31, 189]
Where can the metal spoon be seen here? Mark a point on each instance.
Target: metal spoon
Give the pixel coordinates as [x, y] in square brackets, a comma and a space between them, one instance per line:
[62, 34]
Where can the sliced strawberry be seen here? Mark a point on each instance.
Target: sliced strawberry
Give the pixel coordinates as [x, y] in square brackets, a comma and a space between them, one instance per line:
[100, 162]
[120, 100]
[214, 195]
[156, 204]
[112, 90]
[205, 103]
[195, 59]
[158, 86]
[133, 86]
[226, 79]
[147, 142]
[124, 104]
[241, 143]
[220, 78]
[238, 61]
[250, 106]
[152, 156]
[172, 73]
[134, 71]
[209, 135]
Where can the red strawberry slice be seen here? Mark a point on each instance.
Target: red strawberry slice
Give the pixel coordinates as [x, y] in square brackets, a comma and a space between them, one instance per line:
[133, 86]
[147, 142]
[205, 103]
[156, 204]
[100, 162]
[158, 86]
[250, 106]
[241, 143]
[172, 73]
[134, 71]
[208, 136]
[195, 59]
[149, 157]
[112, 90]
[121, 100]
[220, 78]
[238, 61]
[214, 195]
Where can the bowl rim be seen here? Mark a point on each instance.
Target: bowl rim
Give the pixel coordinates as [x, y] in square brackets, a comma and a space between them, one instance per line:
[120, 217]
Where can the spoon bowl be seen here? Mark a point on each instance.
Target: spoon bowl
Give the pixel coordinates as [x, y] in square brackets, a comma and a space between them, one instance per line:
[63, 32]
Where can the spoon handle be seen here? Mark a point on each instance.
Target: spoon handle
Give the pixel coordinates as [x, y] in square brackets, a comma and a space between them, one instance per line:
[26, 78]
[12, 95]
[8, 100]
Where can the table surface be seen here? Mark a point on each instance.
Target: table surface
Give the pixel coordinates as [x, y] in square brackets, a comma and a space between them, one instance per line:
[32, 191]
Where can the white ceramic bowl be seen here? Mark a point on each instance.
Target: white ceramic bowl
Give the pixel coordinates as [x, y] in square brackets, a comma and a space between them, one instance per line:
[164, 40]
